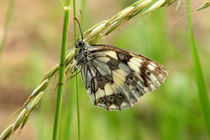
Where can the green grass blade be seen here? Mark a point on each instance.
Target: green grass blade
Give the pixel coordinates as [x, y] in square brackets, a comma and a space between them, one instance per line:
[83, 8]
[6, 24]
[75, 23]
[69, 116]
[202, 90]
[61, 72]
[78, 109]
[77, 93]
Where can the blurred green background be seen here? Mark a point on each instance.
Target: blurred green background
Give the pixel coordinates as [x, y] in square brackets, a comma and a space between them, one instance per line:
[171, 112]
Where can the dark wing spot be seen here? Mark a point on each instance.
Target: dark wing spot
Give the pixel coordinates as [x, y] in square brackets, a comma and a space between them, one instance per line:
[143, 74]
[111, 98]
[145, 82]
[113, 64]
[100, 80]
[127, 83]
[121, 98]
[103, 80]
[131, 77]
[148, 72]
[102, 100]
[131, 80]
[109, 78]
[123, 57]
[93, 86]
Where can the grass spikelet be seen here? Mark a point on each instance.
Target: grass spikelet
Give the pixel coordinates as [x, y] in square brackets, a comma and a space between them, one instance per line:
[104, 28]
[6, 133]
[203, 6]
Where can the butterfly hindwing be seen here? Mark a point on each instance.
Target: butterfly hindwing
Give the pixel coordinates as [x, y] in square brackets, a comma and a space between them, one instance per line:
[115, 78]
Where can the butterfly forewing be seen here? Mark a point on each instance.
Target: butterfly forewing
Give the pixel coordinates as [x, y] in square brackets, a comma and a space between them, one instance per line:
[115, 78]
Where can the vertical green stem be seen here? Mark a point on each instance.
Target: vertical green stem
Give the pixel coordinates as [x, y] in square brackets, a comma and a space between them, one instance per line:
[6, 24]
[61, 71]
[77, 94]
[202, 90]
[68, 123]
[78, 110]
[83, 6]
[75, 23]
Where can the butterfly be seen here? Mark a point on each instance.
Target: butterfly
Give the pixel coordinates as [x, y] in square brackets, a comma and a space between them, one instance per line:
[115, 78]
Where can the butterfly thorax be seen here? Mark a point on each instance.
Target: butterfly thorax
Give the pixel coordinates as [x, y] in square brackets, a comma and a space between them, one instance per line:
[82, 54]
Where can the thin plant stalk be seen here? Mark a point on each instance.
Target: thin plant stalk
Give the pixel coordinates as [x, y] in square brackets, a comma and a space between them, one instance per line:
[78, 108]
[61, 71]
[202, 90]
[6, 24]
[69, 118]
[77, 93]
[83, 6]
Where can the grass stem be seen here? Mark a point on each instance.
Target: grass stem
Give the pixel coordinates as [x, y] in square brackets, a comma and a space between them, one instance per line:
[6, 24]
[202, 90]
[61, 72]
[78, 108]
[77, 93]
[69, 117]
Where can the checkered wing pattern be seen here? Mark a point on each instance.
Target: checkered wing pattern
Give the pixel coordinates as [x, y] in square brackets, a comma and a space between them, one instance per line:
[115, 78]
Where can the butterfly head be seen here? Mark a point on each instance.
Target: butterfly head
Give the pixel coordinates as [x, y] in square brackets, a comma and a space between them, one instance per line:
[80, 44]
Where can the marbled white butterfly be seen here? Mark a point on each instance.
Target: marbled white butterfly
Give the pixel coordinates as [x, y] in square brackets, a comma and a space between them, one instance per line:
[115, 78]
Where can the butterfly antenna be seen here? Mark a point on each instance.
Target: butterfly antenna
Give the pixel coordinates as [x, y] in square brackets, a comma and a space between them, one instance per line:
[82, 17]
[79, 27]
[81, 13]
